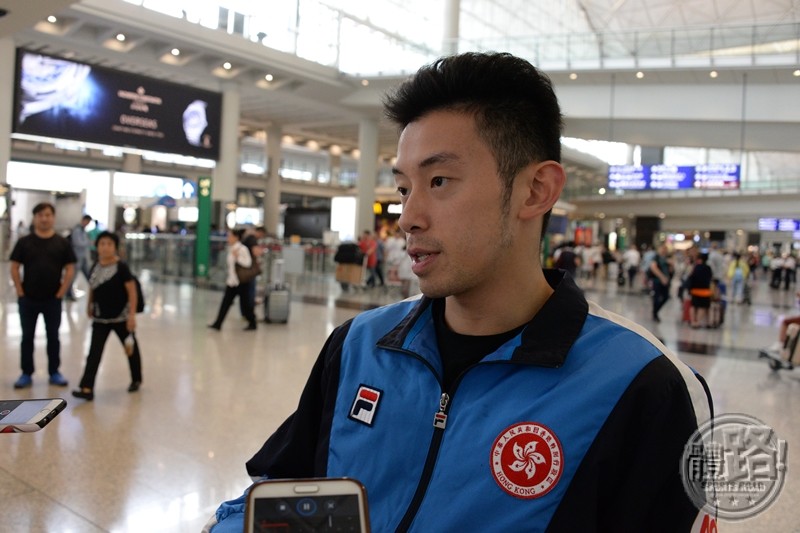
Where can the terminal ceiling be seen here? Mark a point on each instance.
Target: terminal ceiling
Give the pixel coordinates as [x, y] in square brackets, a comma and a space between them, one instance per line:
[314, 102]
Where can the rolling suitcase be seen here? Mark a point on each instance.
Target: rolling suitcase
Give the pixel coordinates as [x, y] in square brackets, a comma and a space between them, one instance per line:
[276, 303]
[686, 315]
[277, 296]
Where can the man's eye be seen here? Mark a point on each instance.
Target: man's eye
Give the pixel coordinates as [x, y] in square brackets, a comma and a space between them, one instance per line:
[402, 191]
[438, 181]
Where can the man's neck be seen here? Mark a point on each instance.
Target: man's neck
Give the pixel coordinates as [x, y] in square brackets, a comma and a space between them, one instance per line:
[42, 234]
[499, 311]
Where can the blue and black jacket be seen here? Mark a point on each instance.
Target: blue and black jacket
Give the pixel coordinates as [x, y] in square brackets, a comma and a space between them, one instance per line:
[576, 424]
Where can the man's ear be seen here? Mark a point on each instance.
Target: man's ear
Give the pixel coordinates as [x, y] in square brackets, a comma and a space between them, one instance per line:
[544, 182]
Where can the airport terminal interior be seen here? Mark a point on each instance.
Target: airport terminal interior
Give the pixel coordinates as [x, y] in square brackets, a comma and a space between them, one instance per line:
[681, 128]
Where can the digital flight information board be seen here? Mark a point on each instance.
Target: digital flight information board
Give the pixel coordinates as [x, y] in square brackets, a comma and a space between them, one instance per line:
[779, 224]
[674, 177]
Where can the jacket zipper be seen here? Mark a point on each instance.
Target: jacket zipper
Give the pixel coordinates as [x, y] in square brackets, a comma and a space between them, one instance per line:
[439, 424]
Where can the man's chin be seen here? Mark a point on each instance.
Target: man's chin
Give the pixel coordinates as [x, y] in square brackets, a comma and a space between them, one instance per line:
[431, 290]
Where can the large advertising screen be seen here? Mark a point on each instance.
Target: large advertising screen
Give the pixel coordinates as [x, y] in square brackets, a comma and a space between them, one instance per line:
[65, 99]
[673, 177]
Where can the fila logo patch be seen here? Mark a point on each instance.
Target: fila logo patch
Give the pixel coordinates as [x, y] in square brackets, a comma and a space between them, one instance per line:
[527, 460]
[365, 405]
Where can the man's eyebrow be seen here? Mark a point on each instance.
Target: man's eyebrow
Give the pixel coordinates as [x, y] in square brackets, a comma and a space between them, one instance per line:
[440, 157]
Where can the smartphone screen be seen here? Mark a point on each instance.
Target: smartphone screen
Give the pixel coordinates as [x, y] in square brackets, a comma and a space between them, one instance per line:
[335, 513]
[28, 415]
[20, 411]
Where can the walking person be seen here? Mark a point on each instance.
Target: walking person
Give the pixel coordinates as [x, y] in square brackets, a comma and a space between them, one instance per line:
[380, 256]
[81, 244]
[776, 267]
[252, 240]
[738, 272]
[239, 254]
[93, 234]
[567, 259]
[699, 285]
[48, 264]
[660, 270]
[630, 261]
[369, 247]
[112, 307]
[789, 270]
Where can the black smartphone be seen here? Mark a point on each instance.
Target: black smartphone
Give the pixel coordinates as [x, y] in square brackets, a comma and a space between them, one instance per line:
[24, 416]
[307, 505]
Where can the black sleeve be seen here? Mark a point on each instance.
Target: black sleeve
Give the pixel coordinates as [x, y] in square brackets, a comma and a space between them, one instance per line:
[124, 272]
[18, 253]
[629, 480]
[299, 447]
[69, 253]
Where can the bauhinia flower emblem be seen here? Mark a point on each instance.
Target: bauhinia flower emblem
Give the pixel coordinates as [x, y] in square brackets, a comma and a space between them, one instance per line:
[527, 459]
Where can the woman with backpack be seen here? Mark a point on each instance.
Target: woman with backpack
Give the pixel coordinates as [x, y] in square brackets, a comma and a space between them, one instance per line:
[112, 306]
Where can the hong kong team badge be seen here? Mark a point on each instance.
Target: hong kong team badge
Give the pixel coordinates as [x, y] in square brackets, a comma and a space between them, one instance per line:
[527, 460]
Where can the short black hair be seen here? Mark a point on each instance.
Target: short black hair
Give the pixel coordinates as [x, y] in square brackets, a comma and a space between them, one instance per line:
[515, 109]
[41, 206]
[86, 217]
[239, 232]
[107, 235]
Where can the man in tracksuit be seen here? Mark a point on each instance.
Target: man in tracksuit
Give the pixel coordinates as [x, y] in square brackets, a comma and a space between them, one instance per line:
[500, 400]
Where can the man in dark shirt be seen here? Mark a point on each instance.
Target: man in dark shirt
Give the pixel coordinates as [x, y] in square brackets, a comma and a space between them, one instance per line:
[48, 267]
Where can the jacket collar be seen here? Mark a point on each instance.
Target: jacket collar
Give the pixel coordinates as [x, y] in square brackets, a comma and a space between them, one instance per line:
[546, 339]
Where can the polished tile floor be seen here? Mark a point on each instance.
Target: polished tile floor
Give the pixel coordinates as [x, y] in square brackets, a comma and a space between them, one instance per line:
[162, 459]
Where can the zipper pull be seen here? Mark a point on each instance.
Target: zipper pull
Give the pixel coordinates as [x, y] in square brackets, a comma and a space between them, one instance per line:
[440, 418]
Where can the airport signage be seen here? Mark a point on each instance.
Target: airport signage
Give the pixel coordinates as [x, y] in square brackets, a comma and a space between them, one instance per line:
[673, 177]
[63, 99]
[779, 224]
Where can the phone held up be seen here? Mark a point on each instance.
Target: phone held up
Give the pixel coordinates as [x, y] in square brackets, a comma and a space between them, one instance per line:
[24, 416]
[307, 505]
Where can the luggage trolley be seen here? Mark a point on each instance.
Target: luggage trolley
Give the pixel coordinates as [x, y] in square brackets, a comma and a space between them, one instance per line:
[351, 266]
[785, 357]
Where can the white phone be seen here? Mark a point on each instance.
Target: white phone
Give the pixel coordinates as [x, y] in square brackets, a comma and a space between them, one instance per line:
[23, 416]
[307, 505]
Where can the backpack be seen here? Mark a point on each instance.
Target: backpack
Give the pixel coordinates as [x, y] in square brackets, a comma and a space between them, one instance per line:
[139, 295]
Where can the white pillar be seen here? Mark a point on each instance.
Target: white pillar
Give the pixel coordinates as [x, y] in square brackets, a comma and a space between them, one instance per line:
[335, 168]
[224, 176]
[272, 199]
[111, 214]
[452, 11]
[367, 174]
[7, 65]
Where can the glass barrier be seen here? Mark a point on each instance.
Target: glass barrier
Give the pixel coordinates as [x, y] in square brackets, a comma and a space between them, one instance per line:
[170, 257]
